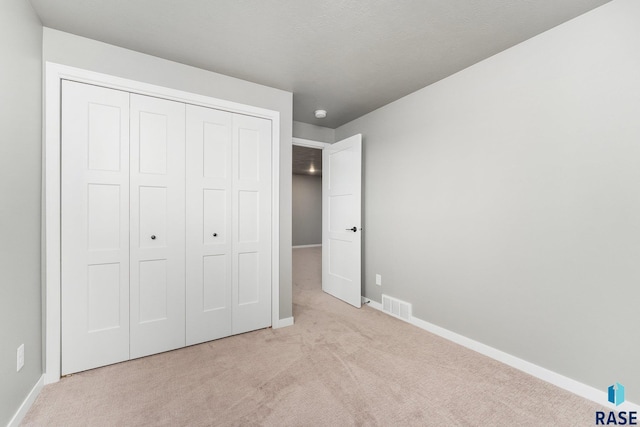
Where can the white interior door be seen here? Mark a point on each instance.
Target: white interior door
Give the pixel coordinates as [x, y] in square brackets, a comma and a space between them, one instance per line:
[157, 225]
[341, 219]
[251, 224]
[209, 235]
[95, 226]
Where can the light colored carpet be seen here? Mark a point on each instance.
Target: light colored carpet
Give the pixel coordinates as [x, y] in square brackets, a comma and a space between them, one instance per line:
[336, 366]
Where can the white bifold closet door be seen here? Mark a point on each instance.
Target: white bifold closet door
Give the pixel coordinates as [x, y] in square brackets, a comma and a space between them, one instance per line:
[228, 224]
[209, 234]
[157, 225]
[166, 225]
[95, 226]
[251, 213]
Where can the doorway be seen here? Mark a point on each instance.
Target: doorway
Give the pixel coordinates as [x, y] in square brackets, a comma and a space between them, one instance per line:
[306, 215]
[55, 76]
[306, 197]
[340, 204]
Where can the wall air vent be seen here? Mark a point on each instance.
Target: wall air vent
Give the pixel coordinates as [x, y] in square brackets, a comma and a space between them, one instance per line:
[396, 308]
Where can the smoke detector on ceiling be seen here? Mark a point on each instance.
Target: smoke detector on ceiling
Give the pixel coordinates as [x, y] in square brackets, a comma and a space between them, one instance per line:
[321, 114]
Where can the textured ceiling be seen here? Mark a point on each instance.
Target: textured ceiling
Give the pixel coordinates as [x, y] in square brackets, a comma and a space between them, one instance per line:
[348, 57]
[304, 158]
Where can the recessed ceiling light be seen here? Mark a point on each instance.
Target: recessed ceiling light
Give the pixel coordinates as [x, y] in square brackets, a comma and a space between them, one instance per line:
[321, 114]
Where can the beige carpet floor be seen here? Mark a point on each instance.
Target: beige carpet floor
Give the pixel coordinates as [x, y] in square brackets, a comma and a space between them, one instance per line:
[336, 366]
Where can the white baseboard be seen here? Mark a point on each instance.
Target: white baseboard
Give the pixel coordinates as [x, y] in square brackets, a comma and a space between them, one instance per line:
[573, 386]
[26, 404]
[306, 246]
[283, 323]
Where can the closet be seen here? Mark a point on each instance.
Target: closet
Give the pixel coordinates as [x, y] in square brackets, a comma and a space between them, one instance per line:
[166, 225]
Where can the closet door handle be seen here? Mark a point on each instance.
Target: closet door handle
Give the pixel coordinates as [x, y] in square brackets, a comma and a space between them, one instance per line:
[354, 229]
[153, 237]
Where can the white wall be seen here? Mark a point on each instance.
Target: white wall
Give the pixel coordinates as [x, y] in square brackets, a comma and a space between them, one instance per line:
[504, 201]
[307, 210]
[80, 52]
[20, 172]
[313, 132]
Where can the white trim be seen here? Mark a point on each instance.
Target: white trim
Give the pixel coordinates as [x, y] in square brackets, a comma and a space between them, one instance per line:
[283, 323]
[54, 74]
[310, 143]
[52, 224]
[27, 403]
[275, 218]
[306, 246]
[573, 386]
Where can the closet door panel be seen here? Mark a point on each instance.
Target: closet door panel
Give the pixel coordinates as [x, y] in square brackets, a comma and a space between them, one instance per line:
[251, 276]
[209, 155]
[152, 216]
[215, 284]
[157, 225]
[95, 226]
[215, 216]
[153, 139]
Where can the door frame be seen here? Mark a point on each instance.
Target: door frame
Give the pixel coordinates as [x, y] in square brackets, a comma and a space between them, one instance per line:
[301, 142]
[51, 227]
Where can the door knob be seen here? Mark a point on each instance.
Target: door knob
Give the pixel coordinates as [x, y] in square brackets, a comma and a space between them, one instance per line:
[215, 234]
[354, 229]
[153, 237]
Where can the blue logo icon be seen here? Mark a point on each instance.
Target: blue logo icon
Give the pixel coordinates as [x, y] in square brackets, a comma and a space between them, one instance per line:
[616, 394]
